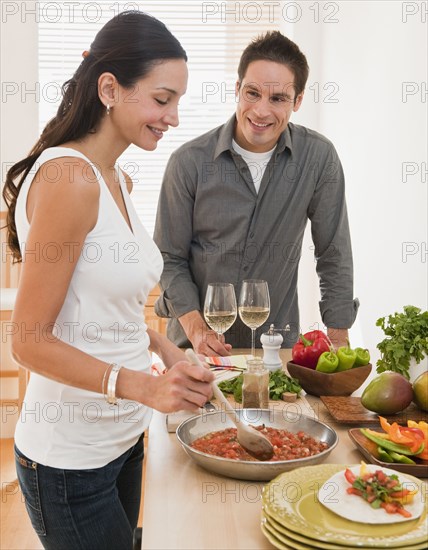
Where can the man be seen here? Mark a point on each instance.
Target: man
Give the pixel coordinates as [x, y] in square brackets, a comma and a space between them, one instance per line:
[235, 202]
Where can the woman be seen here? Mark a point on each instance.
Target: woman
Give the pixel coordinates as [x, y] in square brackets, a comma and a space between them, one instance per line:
[88, 266]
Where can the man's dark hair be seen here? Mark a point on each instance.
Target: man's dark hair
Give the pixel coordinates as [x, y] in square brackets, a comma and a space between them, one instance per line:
[274, 46]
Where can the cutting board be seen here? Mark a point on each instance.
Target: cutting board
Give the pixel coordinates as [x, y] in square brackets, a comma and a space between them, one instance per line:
[348, 410]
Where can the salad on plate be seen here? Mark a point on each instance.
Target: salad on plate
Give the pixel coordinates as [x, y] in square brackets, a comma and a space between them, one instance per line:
[371, 494]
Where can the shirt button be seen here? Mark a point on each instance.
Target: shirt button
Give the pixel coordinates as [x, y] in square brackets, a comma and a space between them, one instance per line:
[245, 268]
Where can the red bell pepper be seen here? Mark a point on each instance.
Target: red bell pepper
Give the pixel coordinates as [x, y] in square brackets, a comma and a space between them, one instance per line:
[309, 347]
[416, 435]
[409, 436]
[423, 427]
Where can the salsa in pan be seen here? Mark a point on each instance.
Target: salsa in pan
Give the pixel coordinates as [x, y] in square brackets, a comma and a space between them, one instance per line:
[287, 445]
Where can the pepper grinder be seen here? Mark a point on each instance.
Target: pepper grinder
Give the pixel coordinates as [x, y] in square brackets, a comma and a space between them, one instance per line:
[271, 344]
[255, 386]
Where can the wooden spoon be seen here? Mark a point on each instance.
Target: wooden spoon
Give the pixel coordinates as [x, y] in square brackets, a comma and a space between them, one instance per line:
[254, 442]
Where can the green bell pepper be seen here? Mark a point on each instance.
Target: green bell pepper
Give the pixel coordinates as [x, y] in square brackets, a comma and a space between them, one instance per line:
[401, 458]
[391, 456]
[384, 455]
[362, 358]
[390, 445]
[327, 362]
[346, 357]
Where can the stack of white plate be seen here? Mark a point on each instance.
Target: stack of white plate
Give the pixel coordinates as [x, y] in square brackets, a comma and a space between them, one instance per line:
[308, 508]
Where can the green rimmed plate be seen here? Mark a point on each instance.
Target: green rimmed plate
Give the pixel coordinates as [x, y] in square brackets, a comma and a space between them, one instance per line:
[300, 542]
[274, 540]
[291, 499]
[287, 542]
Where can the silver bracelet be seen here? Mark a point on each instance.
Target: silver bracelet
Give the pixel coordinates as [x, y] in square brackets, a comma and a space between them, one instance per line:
[103, 383]
[111, 385]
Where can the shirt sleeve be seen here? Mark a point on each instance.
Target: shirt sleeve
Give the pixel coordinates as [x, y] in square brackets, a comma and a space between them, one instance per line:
[333, 251]
[173, 235]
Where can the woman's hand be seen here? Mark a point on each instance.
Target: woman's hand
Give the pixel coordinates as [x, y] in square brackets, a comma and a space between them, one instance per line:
[183, 387]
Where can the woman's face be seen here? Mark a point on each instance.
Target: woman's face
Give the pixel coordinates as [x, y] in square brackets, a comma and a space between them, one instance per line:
[143, 113]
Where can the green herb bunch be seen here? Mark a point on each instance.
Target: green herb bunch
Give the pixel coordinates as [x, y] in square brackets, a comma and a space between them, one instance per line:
[279, 383]
[406, 338]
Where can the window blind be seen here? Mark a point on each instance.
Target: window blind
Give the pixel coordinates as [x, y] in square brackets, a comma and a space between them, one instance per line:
[213, 34]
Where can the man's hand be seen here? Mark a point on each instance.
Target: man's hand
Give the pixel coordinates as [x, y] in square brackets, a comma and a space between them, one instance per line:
[204, 340]
[338, 337]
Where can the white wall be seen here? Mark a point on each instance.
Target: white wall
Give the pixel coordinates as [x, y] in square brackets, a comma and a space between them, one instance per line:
[369, 58]
[19, 75]
[362, 53]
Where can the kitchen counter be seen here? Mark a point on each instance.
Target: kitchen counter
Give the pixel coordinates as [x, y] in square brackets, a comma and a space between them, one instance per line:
[187, 507]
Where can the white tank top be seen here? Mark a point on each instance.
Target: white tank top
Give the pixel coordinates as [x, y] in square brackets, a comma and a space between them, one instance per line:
[66, 427]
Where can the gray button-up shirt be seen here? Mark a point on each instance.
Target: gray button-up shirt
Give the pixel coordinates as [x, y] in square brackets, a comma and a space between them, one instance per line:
[212, 226]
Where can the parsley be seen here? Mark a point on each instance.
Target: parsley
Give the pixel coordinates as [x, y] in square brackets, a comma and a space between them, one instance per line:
[406, 338]
[279, 383]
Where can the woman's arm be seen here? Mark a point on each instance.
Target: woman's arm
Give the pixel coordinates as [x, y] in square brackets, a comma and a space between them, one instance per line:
[167, 350]
[62, 213]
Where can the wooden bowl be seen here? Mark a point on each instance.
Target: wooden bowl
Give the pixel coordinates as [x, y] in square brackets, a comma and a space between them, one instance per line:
[323, 383]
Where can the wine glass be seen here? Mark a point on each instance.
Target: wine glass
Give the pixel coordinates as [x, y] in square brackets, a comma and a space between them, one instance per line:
[220, 307]
[254, 306]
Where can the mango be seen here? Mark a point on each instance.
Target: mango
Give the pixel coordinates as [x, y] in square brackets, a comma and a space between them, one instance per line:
[388, 393]
[420, 391]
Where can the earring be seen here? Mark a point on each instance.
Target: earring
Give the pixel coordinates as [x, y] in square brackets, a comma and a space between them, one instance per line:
[108, 109]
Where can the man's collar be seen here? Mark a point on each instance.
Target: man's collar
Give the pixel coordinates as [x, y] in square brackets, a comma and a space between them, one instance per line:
[284, 141]
[224, 142]
[225, 137]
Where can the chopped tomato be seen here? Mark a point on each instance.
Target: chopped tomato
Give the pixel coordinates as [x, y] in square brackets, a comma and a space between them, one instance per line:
[390, 507]
[380, 489]
[350, 477]
[381, 476]
[395, 508]
[287, 445]
[392, 483]
[404, 512]
[353, 491]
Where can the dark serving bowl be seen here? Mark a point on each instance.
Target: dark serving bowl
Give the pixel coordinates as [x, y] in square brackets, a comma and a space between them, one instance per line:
[198, 426]
[334, 383]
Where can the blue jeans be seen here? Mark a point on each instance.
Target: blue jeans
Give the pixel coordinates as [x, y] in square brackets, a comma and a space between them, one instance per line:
[94, 509]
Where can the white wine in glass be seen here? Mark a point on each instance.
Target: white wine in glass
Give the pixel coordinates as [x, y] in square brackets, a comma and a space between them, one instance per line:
[254, 306]
[220, 307]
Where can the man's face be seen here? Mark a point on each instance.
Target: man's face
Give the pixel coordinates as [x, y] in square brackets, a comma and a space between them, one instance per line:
[266, 101]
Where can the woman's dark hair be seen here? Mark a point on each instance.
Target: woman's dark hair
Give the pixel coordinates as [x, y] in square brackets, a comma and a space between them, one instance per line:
[128, 46]
[274, 46]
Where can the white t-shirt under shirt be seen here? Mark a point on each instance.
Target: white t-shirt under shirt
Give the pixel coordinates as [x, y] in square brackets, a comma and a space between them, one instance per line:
[256, 162]
[66, 427]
